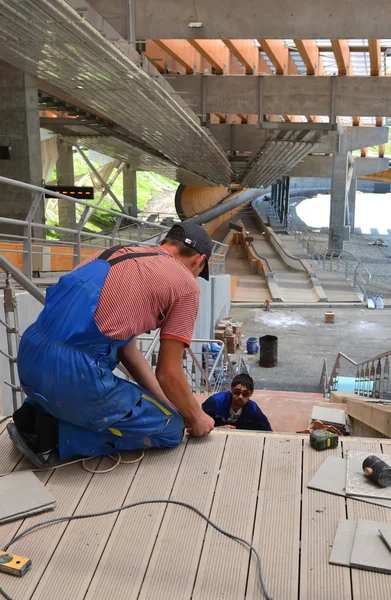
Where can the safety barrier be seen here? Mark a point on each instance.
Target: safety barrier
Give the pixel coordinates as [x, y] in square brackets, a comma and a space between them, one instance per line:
[34, 232]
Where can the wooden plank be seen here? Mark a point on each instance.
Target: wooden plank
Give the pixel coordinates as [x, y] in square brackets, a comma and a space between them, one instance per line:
[69, 572]
[320, 515]
[138, 557]
[3, 424]
[223, 566]
[277, 524]
[367, 585]
[174, 561]
[67, 486]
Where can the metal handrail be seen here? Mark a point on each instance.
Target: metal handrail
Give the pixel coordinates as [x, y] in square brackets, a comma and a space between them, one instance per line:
[217, 261]
[352, 269]
[370, 380]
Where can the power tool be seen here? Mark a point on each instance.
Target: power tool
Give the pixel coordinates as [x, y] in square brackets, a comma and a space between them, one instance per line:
[321, 439]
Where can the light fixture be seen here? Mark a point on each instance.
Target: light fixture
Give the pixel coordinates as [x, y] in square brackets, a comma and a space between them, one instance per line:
[195, 25]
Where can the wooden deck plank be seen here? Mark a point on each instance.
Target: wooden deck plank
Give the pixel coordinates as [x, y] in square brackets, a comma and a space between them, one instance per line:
[3, 424]
[69, 572]
[173, 566]
[68, 486]
[320, 515]
[125, 558]
[165, 552]
[223, 566]
[368, 585]
[277, 525]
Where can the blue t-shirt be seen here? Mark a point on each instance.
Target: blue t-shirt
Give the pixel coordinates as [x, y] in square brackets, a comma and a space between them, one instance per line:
[218, 407]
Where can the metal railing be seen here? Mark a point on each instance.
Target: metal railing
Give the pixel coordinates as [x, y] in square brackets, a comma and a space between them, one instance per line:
[140, 232]
[371, 376]
[206, 363]
[345, 264]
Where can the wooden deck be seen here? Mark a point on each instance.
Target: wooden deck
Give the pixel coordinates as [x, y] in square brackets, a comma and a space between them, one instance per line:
[252, 484]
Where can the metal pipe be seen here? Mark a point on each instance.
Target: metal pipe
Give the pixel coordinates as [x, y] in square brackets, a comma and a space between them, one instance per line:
[220, 209]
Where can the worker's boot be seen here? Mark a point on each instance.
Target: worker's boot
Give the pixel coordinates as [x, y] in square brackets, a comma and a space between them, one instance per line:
[24, 419]
[44, 453]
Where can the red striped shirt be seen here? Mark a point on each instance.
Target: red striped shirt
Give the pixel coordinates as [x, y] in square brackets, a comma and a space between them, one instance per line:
[147, 293]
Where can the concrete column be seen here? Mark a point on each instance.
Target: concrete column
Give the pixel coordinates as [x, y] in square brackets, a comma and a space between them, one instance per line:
[130, 190]
[338, 202]
[352, 203]
[65, 176]
[19, 127]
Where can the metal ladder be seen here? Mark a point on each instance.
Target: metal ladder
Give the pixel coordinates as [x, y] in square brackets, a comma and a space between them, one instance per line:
[11, 325]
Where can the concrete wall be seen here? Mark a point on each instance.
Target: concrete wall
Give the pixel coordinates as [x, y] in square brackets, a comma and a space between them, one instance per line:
[323, 184]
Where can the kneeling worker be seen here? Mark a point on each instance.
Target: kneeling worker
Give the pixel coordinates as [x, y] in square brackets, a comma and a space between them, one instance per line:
[75, 405]
[234, 409]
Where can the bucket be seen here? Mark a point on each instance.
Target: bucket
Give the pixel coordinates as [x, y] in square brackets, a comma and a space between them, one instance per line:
[252, 345]
[268, 345]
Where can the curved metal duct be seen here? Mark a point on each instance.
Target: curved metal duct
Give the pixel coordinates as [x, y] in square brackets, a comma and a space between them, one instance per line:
[194, 200]
[233, 201]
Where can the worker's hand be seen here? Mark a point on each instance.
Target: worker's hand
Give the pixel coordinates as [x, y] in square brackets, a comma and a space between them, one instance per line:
[226, 427]
[201, 425]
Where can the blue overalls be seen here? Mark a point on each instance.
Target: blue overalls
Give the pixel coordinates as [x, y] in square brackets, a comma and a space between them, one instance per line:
[66, 369]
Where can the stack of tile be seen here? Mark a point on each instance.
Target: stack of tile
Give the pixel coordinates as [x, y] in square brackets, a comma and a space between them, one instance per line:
[22, 494]
[363, 545]
[329, 416]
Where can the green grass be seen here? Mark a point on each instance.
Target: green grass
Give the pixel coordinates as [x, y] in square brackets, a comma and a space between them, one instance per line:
[148, 184]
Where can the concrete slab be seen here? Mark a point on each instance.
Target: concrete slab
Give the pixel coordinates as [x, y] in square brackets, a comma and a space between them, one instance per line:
[385, 532]
[369, 550]
[343, 543]
[21, 493]
[328, 415]
[357, 484]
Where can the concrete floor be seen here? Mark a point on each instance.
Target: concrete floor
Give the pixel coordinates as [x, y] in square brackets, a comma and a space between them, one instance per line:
[304, 340]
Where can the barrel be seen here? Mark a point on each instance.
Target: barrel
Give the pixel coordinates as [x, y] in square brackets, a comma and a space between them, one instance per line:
[252, 345]
[268, 345]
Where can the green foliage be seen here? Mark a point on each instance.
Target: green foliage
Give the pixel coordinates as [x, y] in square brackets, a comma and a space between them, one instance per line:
[148, 184]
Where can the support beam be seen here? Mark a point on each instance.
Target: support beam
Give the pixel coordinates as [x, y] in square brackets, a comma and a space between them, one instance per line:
[352, 202]
[130, 190]
[249, 56]
[215, 52]
[227, 19]
[309, 52]
[19, 131]
[342, 56]
[183, 53]
[280, 56]
[161, 59]
[338, 203]
[249, 137]
[322, 166]
[65, 176]
[359, 96]
[374, 56]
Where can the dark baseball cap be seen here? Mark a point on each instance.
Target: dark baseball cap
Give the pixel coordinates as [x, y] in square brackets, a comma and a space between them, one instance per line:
[195, 237]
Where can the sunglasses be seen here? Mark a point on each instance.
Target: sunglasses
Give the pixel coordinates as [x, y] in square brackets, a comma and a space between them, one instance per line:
[244, 393]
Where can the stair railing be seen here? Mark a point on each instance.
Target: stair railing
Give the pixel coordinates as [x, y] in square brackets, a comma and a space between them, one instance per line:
[372, 376]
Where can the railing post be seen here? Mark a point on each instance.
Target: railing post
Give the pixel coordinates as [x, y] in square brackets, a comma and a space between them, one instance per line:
[27, 263]
[77, 248]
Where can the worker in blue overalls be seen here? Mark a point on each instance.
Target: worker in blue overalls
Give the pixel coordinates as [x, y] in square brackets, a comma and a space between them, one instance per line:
[75, 404]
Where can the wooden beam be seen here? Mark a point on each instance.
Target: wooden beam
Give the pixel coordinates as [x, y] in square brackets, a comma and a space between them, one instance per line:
[374, 56]
[342, 56]
[249, 56]
[182, 53]
[153, 51]
[215, 52]
[357, 121]
[280, 57]
[309, 53]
